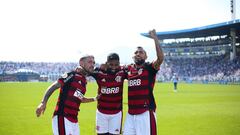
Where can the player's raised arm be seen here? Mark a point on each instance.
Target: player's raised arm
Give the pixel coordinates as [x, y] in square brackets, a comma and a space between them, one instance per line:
[42, 106]
[159, 52]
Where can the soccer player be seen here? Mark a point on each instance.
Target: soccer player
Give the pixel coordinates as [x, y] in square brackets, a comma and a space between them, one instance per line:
[72, 89]
[175, 82]
[141, 116]
[110, 87]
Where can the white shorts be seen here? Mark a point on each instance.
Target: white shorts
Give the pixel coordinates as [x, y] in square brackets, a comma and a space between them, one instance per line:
[108, 123]
[62, 126]
[141, 124]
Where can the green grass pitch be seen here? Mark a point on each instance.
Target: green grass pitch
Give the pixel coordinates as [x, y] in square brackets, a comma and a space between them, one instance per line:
[196, 109]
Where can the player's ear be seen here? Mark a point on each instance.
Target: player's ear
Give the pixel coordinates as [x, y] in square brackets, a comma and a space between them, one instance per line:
[81, 63]
[145, 57]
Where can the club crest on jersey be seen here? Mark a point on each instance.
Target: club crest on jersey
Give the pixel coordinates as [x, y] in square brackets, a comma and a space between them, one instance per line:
[118, 79]
[140, 71]
[78, 94]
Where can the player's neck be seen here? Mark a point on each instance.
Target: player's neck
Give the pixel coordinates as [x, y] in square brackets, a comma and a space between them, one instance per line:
[82, 71]
[139, 65]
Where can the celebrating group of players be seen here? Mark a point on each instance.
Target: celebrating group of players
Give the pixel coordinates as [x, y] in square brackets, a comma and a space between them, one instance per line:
[141, 116]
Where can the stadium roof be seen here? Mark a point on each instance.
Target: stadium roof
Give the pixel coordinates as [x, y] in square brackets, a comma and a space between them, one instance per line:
[22, 70]
[205, 31]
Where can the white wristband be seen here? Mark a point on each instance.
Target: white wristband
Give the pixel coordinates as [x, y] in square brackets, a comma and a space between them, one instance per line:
[95, 99]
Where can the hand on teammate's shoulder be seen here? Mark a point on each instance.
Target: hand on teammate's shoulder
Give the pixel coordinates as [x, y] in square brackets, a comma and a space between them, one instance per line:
[103, 67]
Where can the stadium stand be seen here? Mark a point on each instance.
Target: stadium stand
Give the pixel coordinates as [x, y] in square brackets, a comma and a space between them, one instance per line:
[201, 54]
[44, 71]
[203, 69]
[195, 55]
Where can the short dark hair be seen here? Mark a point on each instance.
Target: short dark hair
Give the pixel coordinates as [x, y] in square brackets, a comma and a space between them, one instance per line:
[113, 56]
[139, 47]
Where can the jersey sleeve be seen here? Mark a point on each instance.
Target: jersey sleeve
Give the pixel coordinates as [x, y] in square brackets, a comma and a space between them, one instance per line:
[65, 78]
[150, 67]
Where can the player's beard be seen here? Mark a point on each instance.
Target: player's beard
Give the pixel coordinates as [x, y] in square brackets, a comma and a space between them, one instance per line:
[86, 72]
[111, 71]
[139, 62]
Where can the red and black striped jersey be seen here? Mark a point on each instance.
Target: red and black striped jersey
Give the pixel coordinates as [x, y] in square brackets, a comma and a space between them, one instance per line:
[73, 87]
[141, 81]
[110, 86]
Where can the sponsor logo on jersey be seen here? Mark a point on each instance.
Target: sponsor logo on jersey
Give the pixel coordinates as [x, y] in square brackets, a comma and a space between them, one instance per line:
[65, 75]
[103, 80]
[135, 82]
[78, 94]
[110, 90]
[67, 78]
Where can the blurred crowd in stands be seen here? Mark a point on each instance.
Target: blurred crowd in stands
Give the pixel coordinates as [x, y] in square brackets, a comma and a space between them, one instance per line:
[203, 69]
[48, 71]
[43, 68]
[202, 42]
